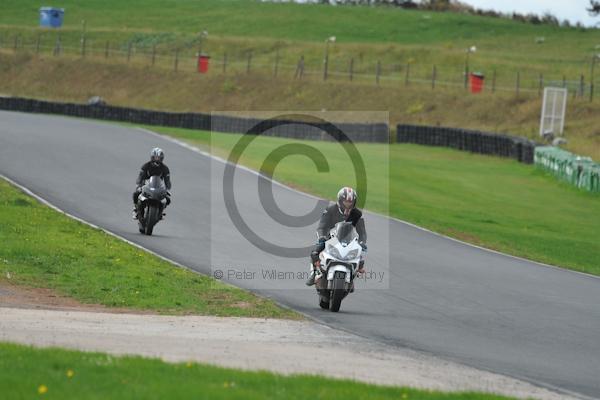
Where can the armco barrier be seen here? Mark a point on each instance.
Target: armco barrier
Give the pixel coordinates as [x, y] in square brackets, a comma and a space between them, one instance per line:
[515, 147]
[461, 139]
[579, 171]
[356, 132]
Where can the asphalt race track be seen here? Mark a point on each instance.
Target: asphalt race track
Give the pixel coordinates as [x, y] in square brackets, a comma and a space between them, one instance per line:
[483, 309]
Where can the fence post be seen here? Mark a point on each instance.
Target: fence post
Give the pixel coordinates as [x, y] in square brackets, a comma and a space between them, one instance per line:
[57, 46]
[433, 76]
[176, 62]
[153, 54]
[326, 65]
[378, 72]
[276, 67]
[300, 68]
[564, 81]
[224, 62]
[518, 82]
[249, 62]
[592, 77]
[106, 49]
[37, 44]
[541, 85]
[494, 82]
[83, 45]
[351, 69]
[16, 43]
[406, 76]
[581, 88]
[128, 51]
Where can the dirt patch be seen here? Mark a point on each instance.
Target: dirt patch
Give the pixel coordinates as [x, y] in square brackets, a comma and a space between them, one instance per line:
[466, 237]
[242, 304]
[16, 296]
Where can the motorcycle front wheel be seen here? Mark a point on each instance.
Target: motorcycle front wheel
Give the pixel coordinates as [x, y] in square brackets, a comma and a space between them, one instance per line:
[152, 216]
[324, 304]
[337, 291]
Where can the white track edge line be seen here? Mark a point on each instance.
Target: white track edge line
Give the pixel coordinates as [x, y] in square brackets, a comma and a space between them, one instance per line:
[152, 252]
[55, 208]
[283, 185]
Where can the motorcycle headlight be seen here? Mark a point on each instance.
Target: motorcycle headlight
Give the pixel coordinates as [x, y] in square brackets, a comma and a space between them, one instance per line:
[334, 252]
[351, 255]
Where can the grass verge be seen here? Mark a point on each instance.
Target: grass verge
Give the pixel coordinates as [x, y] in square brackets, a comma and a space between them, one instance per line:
[63, 374]
[43, 248]
[494, 202]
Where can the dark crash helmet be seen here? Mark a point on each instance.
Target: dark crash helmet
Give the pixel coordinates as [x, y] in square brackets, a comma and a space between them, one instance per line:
[346, 200]
[157, 156]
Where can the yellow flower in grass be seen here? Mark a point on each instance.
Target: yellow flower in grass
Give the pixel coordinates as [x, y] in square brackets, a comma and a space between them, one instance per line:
[42, 389]
[70, 373]
[189, 364]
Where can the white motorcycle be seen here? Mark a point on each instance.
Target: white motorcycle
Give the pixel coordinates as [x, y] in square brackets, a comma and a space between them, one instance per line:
[339, 263]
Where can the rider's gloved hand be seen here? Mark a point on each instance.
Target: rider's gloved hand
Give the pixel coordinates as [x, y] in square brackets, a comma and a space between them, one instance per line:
[320, 245]
[364, 247]
[361, 268]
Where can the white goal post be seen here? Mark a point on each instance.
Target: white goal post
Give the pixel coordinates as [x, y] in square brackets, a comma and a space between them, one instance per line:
[554, 106]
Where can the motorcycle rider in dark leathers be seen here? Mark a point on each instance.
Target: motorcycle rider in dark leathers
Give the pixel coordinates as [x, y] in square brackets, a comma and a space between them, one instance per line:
[343, 210]
[153, 167]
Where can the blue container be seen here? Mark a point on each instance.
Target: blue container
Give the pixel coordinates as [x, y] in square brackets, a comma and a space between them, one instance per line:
[51, 17]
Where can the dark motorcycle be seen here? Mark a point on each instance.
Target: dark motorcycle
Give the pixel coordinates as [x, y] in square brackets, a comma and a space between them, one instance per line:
[151, 203]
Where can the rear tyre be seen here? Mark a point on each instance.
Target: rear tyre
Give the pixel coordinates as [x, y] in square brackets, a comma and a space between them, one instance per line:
[338, 290]
[152, 216]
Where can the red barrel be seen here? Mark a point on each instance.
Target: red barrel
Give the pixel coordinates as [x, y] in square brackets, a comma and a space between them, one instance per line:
[203, 61]
[476, 79]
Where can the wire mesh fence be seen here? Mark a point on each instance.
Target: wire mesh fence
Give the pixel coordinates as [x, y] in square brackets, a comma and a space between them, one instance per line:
[184, 57]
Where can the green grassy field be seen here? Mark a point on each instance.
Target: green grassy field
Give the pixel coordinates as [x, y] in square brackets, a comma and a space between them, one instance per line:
[43, 248]
[498, 203]
[60, 374]
[391, 35]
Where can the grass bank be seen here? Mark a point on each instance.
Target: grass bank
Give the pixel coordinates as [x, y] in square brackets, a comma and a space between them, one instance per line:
[43, 248]
[391, 35]
[143, 86]
[62, 374]
[493, 202]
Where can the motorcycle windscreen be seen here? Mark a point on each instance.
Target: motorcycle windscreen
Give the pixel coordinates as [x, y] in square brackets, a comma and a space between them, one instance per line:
[345, 232]
[156, 182]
